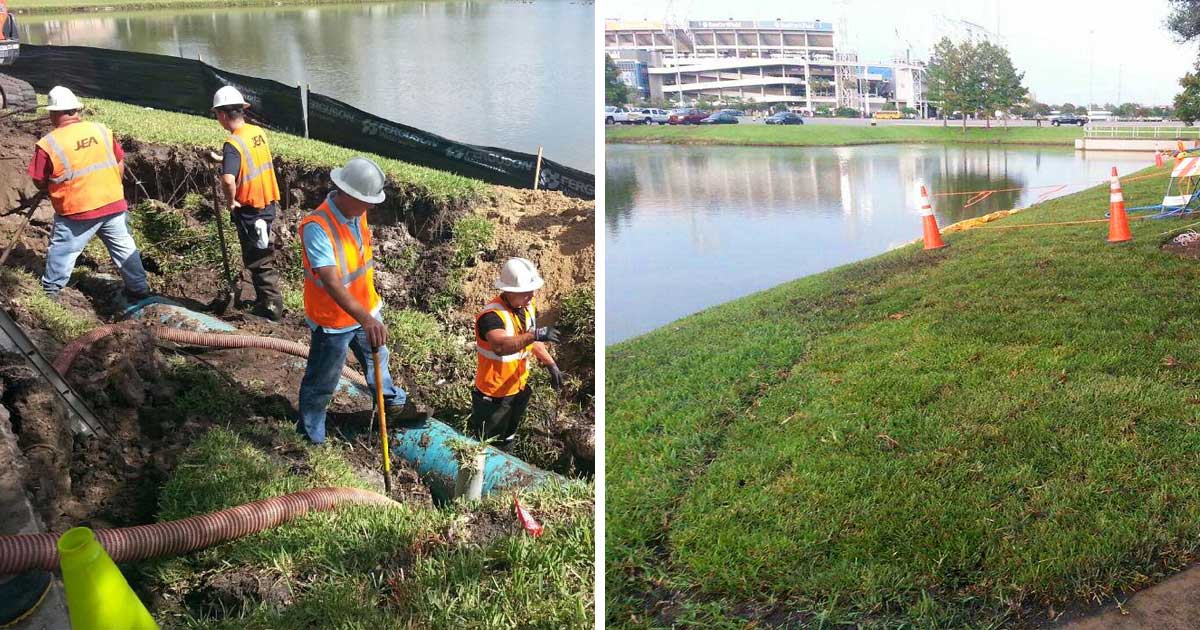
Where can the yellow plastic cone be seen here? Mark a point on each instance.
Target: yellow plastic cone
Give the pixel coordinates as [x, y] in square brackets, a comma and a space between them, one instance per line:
[98, 597]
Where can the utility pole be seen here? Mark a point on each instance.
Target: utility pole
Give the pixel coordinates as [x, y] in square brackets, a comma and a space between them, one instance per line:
[1091, 65]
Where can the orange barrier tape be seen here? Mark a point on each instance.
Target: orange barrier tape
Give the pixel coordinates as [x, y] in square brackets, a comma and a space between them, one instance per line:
[1028, 225]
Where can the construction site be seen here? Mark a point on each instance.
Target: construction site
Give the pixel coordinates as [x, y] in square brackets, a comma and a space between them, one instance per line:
[117, 414]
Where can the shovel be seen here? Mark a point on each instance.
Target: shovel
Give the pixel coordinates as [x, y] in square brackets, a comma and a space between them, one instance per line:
[228, 299]
[387, 460]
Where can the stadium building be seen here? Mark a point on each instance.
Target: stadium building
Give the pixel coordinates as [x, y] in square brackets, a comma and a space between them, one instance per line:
[795, 64]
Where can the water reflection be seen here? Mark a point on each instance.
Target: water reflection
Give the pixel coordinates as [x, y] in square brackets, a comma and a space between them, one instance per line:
[690, 227]
[510, 74]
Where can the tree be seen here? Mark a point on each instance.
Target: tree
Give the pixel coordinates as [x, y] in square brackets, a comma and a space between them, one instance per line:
[615, 90]
[1184, 19]
[1002, 87]
[1067, 108]
[1187, 102]
[948, 77]
[1126, 110]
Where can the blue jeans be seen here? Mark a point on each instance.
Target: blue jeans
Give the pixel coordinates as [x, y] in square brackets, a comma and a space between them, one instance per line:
[69, 237]
[326, 356]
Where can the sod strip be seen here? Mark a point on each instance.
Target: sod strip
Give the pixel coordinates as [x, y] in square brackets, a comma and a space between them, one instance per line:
[1009, 428]
[683, 387]
[183, 130]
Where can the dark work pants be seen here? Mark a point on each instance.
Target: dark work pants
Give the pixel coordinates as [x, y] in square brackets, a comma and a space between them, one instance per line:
[260, 262]
[498, 418]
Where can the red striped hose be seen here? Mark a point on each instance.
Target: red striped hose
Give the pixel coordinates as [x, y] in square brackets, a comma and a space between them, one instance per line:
[39, 551]
[66, 358]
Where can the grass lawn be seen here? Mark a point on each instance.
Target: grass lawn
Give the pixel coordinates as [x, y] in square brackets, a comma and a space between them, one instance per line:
[184, 130]
[368, 567]
[954, 438]
[62, 6]
[836, 135]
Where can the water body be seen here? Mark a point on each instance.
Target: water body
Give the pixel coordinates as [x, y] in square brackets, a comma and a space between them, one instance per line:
[497, 73]
[692, 227]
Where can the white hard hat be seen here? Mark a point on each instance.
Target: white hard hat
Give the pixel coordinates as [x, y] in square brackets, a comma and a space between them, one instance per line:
[518, 275]
[360, 178]
[63, 100]
[228, 96]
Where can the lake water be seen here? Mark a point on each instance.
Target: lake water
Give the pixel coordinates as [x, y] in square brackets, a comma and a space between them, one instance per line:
[507, 74]
[690, 227]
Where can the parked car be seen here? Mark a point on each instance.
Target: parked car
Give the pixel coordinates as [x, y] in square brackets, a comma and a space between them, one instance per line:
[720, 118]
[785, 118]
[735, 112]
[1068, 119]
[613, 115]
[655, 115]
[687, 116]
[622, 115]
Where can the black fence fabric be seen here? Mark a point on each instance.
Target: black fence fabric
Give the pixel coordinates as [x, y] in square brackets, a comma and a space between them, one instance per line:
[158, 81]
[187, 85]
[335, 122]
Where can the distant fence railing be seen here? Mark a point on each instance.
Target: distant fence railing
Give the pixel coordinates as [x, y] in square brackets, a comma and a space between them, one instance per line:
[187, 85]
[1173, 132]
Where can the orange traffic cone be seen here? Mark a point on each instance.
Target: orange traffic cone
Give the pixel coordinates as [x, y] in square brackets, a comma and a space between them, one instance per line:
[1118, 221]
[933, 236]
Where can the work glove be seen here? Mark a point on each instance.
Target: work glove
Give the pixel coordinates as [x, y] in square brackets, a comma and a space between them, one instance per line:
[546, 333]
[556, 377]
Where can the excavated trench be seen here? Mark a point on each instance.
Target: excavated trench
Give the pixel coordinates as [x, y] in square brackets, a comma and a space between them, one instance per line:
[159, 399]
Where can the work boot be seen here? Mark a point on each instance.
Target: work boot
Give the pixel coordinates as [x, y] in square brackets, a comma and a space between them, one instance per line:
[133, 297]
[272, 310]
[408, 414]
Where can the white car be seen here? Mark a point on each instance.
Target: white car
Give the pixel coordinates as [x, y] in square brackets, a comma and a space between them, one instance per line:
[623, 116]
[655, 115]
[613, 115]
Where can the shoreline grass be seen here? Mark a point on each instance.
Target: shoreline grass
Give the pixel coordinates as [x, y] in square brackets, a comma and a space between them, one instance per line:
[187, 131]
[838, 135]
[959, 438]
[35, 7]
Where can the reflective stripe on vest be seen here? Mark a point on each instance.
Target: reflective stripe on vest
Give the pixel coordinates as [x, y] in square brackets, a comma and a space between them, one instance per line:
[503, 375]
[355, 267]
[257, 185]
[85, 174]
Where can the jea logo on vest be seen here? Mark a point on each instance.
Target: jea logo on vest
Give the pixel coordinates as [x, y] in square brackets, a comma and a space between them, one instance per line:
[84, 143]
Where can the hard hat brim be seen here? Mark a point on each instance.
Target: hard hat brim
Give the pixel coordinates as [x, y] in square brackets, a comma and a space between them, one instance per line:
[67, 107]
[533, 286]
[243, 104]
[336, 176]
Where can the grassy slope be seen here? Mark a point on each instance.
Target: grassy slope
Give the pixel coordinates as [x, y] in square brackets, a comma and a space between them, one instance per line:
[169, 128]
[936, 438]
[833, 135]
[367, 567]
[60, 6]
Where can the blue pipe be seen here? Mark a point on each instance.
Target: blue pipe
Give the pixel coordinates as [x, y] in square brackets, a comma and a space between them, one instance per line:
[426, 448]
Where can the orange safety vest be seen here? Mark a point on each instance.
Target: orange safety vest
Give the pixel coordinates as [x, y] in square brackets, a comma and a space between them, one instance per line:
[355, 265]
[4, 18]
[86, 175]
[503, 375]
[256, 183]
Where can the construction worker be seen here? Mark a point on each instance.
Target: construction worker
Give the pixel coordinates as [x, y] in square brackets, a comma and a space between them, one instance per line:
[8, 25]
[506, 333]
[251, 196]
[80, 166]
[340, 301]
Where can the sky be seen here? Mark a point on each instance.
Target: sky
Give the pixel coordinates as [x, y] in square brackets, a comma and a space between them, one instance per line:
[1130, 53]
